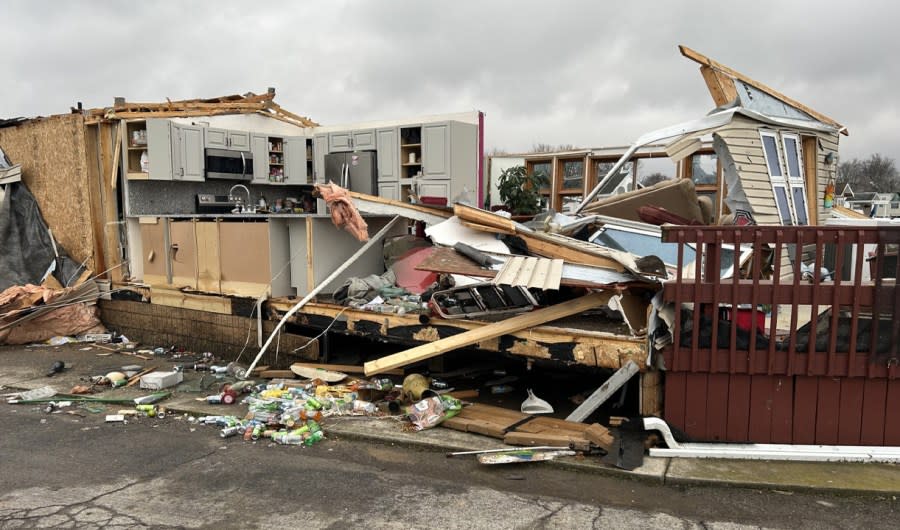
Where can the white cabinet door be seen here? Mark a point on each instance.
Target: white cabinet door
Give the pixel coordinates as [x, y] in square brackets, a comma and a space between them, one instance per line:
[259, 146]
[389, 190]
[295, 160]
[192, 161]
[434, 188]
[340, 141]
[436, 151]
[159, 149]
[217, 138]
[387, 155]
[320, 149]
[239, 140]
[363, 140]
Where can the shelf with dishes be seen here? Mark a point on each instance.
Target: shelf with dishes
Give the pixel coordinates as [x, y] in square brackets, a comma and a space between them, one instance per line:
[137, 159]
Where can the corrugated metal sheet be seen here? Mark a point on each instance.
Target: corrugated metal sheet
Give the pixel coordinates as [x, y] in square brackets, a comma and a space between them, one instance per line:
[538, 273]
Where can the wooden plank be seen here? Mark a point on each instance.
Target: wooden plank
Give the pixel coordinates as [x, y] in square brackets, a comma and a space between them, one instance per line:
[706, 61]
[762, 388]
[490, 331]
[827, 407]
[716, 86]
[209, 269]
[535, 439]
[175, 298]
[674, 390]
[782, 410]
[346, 368]
[274, 374]
[607, 389]
[717, 407]
[891, 424]
[874, 415]
[695, 405]
[849, 412]
[380, 205]
[651, 393]
[600, 436]
[738, 423]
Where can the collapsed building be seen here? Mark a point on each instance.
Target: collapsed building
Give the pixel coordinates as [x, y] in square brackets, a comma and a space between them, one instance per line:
[213, 223]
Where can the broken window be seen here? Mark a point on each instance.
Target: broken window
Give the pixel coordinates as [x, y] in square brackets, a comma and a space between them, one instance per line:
[703, 169]
[618, 183]
[573, 175]
[653, 170]
[791, 144]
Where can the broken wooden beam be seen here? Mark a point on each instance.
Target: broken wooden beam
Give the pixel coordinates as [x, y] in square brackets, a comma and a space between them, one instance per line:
[490, 331]
[600, 436]
[603, 393]
[346, 368]
[528, 438]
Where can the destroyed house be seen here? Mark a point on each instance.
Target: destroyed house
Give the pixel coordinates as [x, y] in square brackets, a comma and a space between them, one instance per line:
[707, 284]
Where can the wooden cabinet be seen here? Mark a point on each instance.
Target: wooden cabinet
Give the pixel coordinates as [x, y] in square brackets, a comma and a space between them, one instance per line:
[389, 190]
[183, 253]
[320, 149]
[411, 151]
[295, 156]
[259, 147]
[342, 141]
[436, 151]
[387, 156]
[251, 255]
[169, 251]
[434, 188]
[175, 151]
[134, 147]
[153, 250]
[227, 139]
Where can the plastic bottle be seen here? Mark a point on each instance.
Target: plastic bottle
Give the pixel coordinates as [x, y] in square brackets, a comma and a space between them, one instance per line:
[290, 439]
[235, 370]
[313, 438]
[145, 162]
[310, 415]
[364, 407]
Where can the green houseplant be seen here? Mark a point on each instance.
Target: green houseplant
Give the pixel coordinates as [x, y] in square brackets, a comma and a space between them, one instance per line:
[521, 191]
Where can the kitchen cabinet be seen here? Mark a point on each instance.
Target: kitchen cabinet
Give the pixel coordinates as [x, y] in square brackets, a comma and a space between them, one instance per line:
[362, 140]
[175, 151]
[433, 188]
[183, 254]
[389, 190]
[387, 155]
[320, 149]
[227, 139]
[436, 151]
[259, 147]
[251, 255]
[134, 147]
[295, 166]
[154, 235]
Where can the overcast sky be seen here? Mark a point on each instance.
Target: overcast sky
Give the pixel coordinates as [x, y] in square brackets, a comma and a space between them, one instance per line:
[587, 73]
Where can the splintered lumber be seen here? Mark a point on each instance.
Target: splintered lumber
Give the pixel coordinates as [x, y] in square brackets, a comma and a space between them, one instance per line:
[600, 436]
[490, 331]
[380, 205]
[607, 389]
[528, 438]
[346, 368]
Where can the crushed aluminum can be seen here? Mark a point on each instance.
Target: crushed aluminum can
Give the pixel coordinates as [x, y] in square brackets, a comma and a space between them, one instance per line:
[228, 432]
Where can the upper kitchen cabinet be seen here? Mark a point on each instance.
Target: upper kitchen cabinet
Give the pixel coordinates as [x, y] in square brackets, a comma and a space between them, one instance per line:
[295, 156]
[320, 149]
[261, 148]
[387, 155]
[436, 151]
[136, 161]
[175, 151]
[342, 141]
[227, 139]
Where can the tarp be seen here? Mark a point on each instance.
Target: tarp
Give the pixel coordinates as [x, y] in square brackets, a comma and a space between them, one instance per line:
[27, 249]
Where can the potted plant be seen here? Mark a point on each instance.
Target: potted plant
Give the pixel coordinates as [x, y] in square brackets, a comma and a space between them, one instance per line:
[521, 191]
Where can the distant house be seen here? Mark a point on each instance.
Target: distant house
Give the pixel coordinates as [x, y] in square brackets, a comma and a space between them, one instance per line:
[874, 204]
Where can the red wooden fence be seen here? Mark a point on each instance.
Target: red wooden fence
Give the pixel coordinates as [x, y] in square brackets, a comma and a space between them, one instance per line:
[830, 381]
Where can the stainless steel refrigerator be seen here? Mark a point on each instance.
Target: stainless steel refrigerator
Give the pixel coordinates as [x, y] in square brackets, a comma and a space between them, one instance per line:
[355, 171]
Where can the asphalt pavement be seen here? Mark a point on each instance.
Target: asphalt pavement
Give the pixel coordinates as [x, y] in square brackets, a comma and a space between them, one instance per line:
[70, 468]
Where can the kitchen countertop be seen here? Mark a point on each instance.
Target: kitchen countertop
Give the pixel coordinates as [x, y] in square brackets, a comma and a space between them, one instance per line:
[244, 215]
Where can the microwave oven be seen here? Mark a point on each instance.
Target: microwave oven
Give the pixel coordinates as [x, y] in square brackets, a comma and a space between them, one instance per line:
[231, 165]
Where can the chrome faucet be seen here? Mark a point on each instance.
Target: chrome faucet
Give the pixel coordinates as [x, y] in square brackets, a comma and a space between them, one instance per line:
[240, 205]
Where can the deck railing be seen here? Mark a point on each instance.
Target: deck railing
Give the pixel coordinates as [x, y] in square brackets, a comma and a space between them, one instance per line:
[769, 315]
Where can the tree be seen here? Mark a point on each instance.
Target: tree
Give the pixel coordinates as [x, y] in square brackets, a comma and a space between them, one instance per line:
[654, 178]
[876, 173]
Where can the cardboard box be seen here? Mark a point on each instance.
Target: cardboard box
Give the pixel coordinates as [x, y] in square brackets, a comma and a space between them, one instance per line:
[159, 380]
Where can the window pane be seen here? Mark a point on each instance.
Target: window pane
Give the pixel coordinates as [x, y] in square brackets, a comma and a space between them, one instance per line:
[800, 205]
[622, 178]
[642, 245]
[653, 170]
[781, 199]
[570, 202]
[703, 169]
[772, 156]
[793, 158]
[573, 174]
[545, 168]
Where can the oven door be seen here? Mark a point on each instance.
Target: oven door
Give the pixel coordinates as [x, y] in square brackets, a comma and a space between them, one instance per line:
[232, 165]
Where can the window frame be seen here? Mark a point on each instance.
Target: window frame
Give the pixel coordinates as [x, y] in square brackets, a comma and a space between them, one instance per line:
[795, 182]
[778, 181]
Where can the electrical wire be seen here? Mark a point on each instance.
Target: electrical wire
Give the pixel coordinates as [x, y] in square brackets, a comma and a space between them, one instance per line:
[310, 341]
